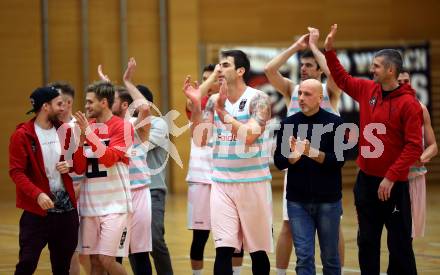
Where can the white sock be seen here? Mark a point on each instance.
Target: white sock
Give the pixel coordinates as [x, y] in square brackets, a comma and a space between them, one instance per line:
[281, 271]
[197, 272]
[342, 270]
[236, 270]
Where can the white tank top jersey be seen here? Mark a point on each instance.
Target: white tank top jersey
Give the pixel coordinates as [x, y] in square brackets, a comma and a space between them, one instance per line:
[200, 164]
[233, 161]
[325, 103]
[138, 168]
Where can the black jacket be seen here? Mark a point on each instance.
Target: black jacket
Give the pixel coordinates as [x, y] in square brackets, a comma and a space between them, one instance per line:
[308, 180]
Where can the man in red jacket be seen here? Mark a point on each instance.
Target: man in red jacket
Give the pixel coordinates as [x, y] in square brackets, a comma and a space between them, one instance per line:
[390, 142]
[44, 188]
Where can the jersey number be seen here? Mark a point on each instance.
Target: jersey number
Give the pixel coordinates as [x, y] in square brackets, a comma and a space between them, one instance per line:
[94, 162]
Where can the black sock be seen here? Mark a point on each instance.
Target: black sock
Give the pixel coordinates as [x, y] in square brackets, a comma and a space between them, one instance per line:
[260, 263]
[223, 260]
[200, 237]
[140, 263]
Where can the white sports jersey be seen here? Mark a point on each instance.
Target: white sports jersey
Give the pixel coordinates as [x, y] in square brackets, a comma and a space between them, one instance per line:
[200, 164]
[138, 168]
[235, 162]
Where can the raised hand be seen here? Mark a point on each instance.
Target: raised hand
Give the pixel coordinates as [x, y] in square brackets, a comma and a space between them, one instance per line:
[222, 96]
[131, 67]
[81, 121]
[217, 69]
[191, 91]
[313, 36]
[328, 45]
[303, 42]
[101, 74]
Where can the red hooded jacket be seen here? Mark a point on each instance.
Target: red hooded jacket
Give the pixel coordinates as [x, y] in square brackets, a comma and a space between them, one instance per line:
[26, 168]
[399, 112]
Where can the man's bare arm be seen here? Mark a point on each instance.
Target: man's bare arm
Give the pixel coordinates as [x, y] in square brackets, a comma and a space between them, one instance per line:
[201, 122]
[281, 83]
[333, 90]
[260, 111]
[142, 124]
[431, 149]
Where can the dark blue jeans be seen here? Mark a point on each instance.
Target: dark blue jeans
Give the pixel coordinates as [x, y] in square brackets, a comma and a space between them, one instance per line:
[305, 220]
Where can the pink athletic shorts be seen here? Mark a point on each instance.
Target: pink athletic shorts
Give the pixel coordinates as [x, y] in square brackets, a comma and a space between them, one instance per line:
[199, 213]
[140, 222]
[105, 235]
[241, 215]
[417, 192]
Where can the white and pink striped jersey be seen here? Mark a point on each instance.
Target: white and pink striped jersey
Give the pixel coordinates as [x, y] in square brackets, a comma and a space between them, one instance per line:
[106, 187]
[200, 164]
[138, 168]
[235, 162]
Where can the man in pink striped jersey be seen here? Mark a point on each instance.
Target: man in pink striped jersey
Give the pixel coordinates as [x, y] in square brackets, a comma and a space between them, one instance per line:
[105, 195]
[241, 199]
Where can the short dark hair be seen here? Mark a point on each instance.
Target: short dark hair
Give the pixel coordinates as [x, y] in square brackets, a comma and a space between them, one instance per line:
[145, 92]
[405, 70]
[64, 86]
[209, 68]
[103, 89]
[309, 54]
[240, 60]
[123, 94]
[392, 57]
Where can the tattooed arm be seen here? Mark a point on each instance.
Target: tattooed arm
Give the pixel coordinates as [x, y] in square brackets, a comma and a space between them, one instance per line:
[248, 132]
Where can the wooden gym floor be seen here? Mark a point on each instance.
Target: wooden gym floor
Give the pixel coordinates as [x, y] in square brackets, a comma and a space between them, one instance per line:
[427, 249]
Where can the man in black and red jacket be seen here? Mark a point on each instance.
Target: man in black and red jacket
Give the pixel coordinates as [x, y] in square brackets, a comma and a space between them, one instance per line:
[44, 188]
[390, 142]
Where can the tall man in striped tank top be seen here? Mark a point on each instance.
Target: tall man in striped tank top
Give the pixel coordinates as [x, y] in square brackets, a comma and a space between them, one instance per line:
[241, 199]
[199, 183]
[313, 65]
[105, 194]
